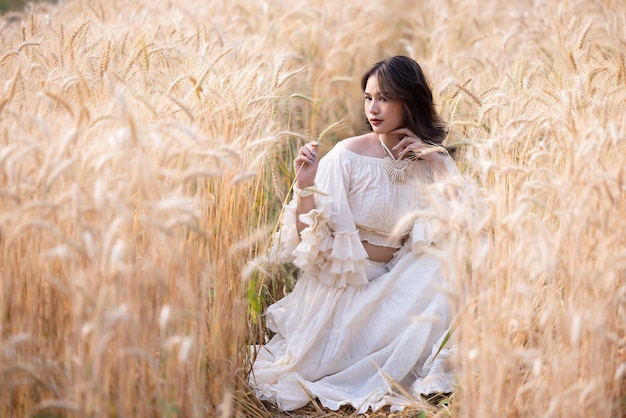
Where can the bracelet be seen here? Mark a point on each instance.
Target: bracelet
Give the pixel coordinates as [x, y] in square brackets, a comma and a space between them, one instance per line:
[302, 192]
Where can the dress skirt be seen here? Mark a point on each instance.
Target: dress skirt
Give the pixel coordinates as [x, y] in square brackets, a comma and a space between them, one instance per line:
[367, 345]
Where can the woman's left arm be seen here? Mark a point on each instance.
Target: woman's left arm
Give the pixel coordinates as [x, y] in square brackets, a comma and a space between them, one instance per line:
[412, 146]
[440, 165]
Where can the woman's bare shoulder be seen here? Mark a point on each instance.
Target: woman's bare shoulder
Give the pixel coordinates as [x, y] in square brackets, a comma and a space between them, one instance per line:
[362, 144]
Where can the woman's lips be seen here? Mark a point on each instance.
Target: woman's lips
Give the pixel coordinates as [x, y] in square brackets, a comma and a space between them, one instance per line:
[376, 122]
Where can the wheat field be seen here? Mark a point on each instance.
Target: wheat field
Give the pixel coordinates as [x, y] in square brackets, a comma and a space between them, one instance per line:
[145, 152]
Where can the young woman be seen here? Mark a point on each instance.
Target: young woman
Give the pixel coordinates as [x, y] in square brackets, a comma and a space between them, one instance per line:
[366, 320]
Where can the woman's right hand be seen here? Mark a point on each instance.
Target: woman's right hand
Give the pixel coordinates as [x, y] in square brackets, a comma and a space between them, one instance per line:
[305, 165]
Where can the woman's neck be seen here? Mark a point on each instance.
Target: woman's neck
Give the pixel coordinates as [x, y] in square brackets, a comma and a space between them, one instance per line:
[390, 141]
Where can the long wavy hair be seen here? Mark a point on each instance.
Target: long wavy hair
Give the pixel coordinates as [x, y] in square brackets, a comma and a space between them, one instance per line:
[401, 79]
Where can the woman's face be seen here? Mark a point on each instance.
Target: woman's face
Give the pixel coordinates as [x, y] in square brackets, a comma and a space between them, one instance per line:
[384, 115]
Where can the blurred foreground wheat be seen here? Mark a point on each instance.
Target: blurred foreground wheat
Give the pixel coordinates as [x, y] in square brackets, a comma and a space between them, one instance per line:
[145, 153]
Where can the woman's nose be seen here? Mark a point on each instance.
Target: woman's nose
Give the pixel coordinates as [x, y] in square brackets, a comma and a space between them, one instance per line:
[374, 108]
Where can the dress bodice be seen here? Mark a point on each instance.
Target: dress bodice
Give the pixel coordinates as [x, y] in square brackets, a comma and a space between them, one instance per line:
[377, 203]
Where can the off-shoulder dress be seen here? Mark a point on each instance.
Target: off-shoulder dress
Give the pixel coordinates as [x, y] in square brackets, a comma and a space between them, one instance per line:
[354, 331]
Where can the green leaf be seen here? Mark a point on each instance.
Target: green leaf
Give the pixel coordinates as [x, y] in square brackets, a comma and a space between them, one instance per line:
[445, 341]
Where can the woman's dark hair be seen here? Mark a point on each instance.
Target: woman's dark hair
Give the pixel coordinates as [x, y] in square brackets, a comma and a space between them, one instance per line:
[401, 79]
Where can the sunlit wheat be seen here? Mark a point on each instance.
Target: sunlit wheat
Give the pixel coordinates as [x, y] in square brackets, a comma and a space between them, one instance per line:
[145, 153]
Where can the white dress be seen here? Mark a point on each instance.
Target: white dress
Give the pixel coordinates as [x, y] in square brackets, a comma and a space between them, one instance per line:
[352, 330]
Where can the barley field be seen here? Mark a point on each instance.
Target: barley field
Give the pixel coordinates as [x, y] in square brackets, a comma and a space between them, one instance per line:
[145, 154]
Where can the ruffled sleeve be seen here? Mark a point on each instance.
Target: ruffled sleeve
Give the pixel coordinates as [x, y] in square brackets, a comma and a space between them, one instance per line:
[330, 249]
[446, 200]
[422, 235]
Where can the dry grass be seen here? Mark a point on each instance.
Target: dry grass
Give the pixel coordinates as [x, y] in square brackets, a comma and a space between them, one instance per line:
[144, 155]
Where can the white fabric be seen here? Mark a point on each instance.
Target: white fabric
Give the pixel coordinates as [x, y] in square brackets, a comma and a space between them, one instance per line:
[352, 328]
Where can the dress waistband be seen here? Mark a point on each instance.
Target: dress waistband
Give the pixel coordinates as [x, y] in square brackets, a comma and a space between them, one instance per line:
[381, 239]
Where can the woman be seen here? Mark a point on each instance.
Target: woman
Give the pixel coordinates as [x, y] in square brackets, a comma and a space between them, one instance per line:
[366, 320]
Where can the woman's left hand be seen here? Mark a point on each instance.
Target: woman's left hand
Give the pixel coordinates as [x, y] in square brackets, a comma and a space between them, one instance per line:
[412, 147]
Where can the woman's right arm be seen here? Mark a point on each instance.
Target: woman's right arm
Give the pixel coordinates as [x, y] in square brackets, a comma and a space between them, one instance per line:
[305, 166]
